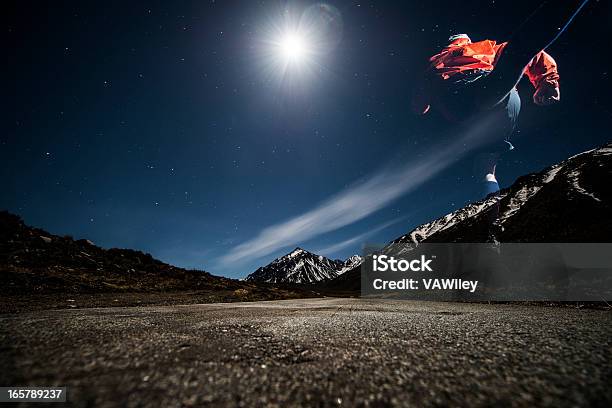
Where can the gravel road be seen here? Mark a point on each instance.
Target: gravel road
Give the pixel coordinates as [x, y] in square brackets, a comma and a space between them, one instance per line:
[314, 352]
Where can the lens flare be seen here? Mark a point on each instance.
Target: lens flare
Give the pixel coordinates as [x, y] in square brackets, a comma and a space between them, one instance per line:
[293, 47]
[296, 46]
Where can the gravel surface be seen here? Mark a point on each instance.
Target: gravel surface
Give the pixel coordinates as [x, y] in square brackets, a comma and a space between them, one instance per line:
[314, 352]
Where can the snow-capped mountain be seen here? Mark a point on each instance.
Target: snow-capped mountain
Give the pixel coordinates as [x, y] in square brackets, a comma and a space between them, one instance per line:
[350, 263]
[568, 202]
[301, 266]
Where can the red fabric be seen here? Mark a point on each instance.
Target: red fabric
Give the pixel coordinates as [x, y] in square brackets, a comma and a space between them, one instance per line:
[462, 56]
[542, 71]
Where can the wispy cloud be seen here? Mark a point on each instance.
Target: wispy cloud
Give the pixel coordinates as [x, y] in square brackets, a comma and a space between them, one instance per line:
[358, 239]
[361, 199]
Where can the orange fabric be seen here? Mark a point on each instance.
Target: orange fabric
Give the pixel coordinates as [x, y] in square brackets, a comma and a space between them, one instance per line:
[462, 55]
[542, 71]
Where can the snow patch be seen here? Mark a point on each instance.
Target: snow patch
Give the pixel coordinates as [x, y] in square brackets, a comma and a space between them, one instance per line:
[517, 201]
[296, 252]
[550, 176]
[605, 151]
[573, 177]
[426, 230]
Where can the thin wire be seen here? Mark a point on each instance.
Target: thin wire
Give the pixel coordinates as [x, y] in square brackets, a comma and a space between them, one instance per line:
[566, 24]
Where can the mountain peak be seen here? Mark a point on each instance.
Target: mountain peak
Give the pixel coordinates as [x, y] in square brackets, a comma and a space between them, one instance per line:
[297, 251]
[302, 266]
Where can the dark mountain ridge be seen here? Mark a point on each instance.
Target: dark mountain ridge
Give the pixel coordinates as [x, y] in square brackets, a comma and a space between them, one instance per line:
[568, 202]
[35, 262]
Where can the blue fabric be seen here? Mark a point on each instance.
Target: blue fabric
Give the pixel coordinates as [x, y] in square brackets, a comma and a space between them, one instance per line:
[513, 108]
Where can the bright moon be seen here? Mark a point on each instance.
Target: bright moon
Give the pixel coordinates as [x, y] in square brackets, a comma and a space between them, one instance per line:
[293, 47]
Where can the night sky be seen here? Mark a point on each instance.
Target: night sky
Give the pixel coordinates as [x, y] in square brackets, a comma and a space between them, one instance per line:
[177, 129]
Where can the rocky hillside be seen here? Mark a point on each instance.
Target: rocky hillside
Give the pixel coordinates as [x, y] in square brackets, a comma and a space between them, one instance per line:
[33, 261]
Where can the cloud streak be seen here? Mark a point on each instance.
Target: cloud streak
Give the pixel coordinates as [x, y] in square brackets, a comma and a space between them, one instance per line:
[360, 199]
[358, 239]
